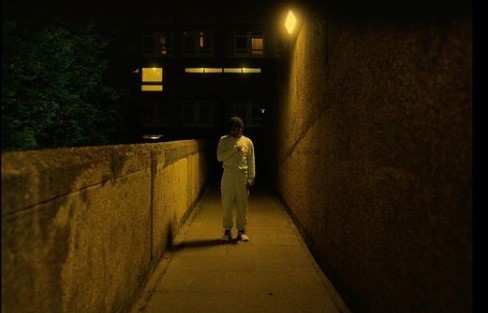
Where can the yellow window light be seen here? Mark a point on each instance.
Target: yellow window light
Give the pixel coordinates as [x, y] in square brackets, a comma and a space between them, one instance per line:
[217, 70]
[194, 70]
[201, 70]
[257, 45]
[233, 70]
[212, 70]
[152, 88]
[251, 70]
[154, 74]
[202, 40]
[291, 22]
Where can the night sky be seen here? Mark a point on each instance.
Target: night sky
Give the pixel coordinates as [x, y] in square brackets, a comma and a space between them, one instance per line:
[112, 8]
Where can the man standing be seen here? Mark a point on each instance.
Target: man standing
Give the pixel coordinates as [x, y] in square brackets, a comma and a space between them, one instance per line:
[236, 151]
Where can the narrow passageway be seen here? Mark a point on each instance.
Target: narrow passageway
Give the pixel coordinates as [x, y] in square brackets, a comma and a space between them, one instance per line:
[273, 272]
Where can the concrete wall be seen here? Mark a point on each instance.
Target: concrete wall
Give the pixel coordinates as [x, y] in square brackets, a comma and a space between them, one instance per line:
[82, 228]
[373, 148]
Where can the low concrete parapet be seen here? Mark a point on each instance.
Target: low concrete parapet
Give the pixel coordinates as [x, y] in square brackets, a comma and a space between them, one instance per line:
[83, 228]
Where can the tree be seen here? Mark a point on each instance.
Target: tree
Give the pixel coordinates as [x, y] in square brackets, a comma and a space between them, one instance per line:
[53, 86]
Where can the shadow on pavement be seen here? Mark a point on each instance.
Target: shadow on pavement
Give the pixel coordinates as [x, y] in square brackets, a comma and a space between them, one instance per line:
[200, 244]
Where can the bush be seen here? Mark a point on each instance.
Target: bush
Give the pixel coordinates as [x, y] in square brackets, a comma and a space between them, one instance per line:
[53, 89]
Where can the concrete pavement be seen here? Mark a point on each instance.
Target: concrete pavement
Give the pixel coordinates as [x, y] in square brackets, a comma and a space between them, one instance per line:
[273, 272]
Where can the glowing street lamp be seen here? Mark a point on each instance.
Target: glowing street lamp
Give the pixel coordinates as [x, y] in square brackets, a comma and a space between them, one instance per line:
[290, 22]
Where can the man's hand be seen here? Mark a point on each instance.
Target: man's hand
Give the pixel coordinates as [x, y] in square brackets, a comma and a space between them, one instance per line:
[248, 186]
[242, 149]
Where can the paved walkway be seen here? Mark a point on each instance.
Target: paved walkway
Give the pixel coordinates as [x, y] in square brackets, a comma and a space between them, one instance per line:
[273, 272]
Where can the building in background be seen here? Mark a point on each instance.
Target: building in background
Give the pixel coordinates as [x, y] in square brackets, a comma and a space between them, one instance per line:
[196, 70]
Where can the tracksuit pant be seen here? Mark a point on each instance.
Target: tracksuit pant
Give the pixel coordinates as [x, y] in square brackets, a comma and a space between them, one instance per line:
[235, 194]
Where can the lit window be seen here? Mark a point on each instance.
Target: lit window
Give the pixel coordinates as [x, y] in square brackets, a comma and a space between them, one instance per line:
[197, 43]
[194, 70]
[201, 70]
[249, 43]
[152, 88]
[154, 74]
[251, 70]
[202, 40]
[212, 70]
[163, 45]
[233, 70]
[257, 45]
[152, 79]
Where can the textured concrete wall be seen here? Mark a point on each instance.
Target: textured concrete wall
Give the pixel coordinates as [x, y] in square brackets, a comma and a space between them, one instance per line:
[373, 153]
[82, 228]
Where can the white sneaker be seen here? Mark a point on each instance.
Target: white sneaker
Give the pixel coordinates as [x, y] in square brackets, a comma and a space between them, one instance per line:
[227, 237]
[242, 236]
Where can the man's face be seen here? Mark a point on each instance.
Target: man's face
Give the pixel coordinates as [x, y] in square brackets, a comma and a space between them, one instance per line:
[236, 131]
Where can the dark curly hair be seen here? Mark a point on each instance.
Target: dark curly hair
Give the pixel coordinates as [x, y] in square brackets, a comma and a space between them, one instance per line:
[235, 122]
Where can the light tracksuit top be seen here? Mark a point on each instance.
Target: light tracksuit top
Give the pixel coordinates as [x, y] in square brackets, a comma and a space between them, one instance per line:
[235, 161]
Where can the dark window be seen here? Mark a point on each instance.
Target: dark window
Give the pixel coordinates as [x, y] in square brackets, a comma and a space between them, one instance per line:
[148, 44]
[197, 113]
[157, 113]
[252, 111]
[156, 44]
[241, 43]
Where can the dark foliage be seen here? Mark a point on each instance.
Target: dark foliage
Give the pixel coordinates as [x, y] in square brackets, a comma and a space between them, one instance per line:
[54, 90]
